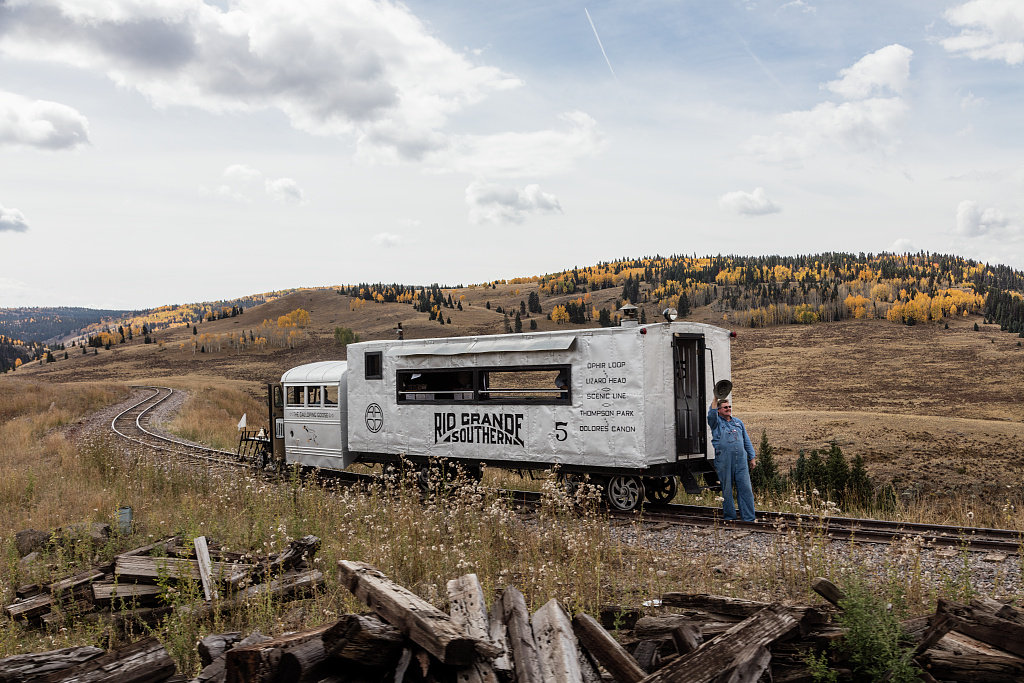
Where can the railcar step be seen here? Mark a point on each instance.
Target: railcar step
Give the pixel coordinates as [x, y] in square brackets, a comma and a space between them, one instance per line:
[694, 473]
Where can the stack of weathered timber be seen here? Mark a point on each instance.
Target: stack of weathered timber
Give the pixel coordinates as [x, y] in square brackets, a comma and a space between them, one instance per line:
[409, 639]
[706, 638]
[131, 588]
[980, 641]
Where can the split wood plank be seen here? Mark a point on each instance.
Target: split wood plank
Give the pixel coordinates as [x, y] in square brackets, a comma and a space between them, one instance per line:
[735, 646]
[107, 591]
[205, 568]
[556, 644]
[152, 568]
[259, 662]
[41, 603]
[686, 638]
[468, 611]
[427, 626]
[1000, 609]
[748, 669]
[980, 623]
[140, 662]
[967, 666]
[736, 607]
[498, 634]
[214, 645]
[363, 639]
[283, 587]
[827, 590]
[520, 637]
[289, 558]
[167, 544]
[606, 650]
[37, 664]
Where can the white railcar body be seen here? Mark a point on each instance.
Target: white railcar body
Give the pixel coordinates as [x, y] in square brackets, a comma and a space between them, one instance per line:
[622, 400]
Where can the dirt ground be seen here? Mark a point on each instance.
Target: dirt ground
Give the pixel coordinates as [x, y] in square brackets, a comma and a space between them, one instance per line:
[936, 410]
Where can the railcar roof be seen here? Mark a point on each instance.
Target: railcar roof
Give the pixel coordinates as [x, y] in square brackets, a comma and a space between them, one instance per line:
[323, 372]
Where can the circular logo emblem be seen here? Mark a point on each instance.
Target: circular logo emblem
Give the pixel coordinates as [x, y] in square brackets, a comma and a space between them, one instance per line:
[374, 418]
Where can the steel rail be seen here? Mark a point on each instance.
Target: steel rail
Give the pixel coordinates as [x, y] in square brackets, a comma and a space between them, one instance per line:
[848, 528]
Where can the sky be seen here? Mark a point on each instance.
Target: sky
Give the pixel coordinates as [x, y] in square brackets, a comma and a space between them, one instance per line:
[156, 152]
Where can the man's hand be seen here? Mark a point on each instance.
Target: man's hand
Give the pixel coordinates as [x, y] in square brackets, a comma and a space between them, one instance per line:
[753, 463]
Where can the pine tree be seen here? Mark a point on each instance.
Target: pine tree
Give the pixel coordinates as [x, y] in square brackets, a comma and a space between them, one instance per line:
[683, 306]
[604, 318]
[765, 476]
[837, 471]
[859, 487]
[194, 330]
[643, 315]
[518, 323]
[533, 323]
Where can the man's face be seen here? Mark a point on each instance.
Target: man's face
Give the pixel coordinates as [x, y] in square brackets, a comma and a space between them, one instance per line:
[725, 409]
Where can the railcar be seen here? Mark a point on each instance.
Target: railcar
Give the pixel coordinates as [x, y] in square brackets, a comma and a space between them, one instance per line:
[624, 405]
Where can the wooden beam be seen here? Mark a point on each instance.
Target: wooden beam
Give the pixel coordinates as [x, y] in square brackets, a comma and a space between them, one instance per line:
[606, 650]
[980, 623]
[140, 662]
[33, 665]
[468, 611]
[556, 644]
[827, 590]
[205, 568]
[520, 637]
[425, 625]
[259, 663]
[735, 646]
[363, 639]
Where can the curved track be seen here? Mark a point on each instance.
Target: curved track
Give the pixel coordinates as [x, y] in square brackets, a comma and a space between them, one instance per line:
[132, 424]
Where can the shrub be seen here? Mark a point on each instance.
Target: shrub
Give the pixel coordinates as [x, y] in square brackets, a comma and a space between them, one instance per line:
[343, 336]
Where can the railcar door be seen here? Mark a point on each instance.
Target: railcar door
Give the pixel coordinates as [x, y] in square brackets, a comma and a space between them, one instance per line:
[688, 364]
[275, 402]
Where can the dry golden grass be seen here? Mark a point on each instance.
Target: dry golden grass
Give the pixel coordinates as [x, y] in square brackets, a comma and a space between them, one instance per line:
[571, 552]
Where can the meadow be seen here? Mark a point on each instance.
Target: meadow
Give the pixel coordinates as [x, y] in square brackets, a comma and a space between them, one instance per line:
[61, 467]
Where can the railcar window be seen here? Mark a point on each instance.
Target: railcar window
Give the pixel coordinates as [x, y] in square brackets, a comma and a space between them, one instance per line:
[525, 385]
[294, 396]
[545, 384]
[374, 367]
[330, 395]
[312, 396]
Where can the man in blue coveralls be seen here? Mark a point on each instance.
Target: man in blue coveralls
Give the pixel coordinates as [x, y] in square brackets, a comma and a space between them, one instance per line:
[733, 451]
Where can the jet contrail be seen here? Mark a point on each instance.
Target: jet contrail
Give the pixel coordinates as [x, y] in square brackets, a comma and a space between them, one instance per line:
[600, 45]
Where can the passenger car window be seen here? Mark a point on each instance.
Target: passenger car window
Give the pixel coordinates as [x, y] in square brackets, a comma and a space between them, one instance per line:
[373, 360]
[312, 396]
[294, 396]
[330, 395]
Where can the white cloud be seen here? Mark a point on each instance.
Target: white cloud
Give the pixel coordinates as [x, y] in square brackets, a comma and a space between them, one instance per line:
[754, 203]
[12, 220]
[989, 29]
[368, 68]
[387, 240]
[865, 123]
[902, 246]
[798, 5]
[243, 183]
[492, 203]
[887, 69]
[39, 123]
[973, 221]
[856, 126]
[285, 190]
[544, 152]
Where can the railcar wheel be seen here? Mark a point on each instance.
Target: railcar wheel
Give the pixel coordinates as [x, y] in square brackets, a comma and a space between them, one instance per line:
[624, 493]
[571, 483]
[660, 490]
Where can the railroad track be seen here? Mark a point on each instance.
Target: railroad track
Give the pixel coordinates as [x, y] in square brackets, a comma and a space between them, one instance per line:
[132, 424]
